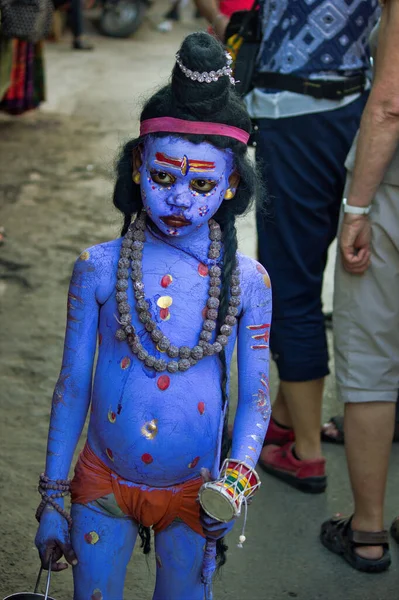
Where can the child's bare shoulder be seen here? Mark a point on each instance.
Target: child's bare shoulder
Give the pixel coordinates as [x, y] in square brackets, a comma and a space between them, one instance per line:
[101, 254]
[98, 265]
[252, 273]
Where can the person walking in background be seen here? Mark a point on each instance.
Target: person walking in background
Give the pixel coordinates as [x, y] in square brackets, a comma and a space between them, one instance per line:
[309, 94]
[173, 16]
[366, 310]
[25, 89]
[217, 13]
[308, 98]
[76, 14]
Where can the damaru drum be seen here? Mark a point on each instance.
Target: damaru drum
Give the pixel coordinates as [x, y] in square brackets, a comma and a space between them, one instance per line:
[222, 499]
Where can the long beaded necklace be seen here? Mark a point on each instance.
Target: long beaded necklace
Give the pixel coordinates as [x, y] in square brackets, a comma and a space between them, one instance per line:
[131, 255]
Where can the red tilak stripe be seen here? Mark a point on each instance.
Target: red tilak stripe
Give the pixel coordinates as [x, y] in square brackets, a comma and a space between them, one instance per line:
[201, 164]
[265, 326]
[175, 162]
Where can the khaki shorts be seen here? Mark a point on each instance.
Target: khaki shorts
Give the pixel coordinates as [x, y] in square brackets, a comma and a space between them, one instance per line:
[366, 311]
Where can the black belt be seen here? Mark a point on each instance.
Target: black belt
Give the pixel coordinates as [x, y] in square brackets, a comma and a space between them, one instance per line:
[317, 88]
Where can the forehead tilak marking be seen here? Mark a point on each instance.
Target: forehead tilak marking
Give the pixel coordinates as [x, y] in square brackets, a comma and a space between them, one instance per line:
[184, 164]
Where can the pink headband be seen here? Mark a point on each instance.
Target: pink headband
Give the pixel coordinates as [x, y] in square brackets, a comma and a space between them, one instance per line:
[172, 125]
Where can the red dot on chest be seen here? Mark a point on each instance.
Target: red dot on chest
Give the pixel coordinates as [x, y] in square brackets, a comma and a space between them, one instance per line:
[201, 407]
[163, 382]
[203, 270]
[194, 462]
[164, 314]
[166, 280]
[125, 362]
[147, 458]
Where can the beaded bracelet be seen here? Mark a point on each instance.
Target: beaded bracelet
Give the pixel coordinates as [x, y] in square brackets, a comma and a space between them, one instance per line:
[62, 487]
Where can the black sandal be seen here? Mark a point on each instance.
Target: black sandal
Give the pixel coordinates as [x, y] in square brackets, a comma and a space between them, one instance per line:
[338, 423]
[338, 536]
[395, 529]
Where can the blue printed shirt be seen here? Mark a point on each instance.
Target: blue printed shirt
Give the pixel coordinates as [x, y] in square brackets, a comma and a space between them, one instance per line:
[311, 39]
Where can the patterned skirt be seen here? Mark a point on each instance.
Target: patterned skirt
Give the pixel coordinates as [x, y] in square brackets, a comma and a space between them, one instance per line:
[27, 87]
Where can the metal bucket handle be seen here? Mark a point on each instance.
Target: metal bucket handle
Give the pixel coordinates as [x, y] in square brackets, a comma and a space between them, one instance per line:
[46, 593]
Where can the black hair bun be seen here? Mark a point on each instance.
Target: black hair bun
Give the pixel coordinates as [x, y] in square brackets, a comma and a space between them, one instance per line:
[202, 53]
[190, 100]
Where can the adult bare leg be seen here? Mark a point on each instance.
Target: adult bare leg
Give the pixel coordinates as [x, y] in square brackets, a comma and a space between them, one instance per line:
[368, 439]
[280, 409]
[303, 400]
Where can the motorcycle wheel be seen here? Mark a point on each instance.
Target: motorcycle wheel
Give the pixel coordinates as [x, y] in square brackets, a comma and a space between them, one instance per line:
[122, 18]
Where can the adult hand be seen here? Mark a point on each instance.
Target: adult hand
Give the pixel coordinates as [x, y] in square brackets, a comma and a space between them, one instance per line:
[354, 243]
[219, 26]
[52, 539]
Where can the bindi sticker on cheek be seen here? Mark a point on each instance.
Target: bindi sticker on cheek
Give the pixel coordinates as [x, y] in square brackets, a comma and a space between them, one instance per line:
[203, 210]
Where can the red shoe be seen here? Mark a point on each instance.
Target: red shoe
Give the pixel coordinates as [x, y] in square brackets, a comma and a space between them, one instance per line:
[306, 475]
[278, 435]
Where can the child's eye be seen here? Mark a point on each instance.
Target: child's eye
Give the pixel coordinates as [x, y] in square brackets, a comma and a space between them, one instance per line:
[162, 178]
[202, 185]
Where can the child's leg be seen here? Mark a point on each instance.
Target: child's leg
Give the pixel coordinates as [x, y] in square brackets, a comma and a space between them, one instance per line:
[179, 556]
[103, 545]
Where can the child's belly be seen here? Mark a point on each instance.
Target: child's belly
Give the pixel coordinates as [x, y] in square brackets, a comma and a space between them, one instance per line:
[159, 429]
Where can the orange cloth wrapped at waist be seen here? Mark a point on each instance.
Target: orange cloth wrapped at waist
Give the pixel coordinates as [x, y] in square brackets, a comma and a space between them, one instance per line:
[148, 506]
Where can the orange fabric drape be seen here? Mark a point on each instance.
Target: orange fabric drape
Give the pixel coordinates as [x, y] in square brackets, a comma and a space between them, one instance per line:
[149, 506]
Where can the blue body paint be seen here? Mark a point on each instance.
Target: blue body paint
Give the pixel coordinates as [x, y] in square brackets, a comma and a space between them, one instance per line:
[149, 428]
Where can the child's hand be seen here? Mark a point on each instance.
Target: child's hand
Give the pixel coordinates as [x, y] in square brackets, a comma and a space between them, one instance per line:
[213, 528]
[52, 539]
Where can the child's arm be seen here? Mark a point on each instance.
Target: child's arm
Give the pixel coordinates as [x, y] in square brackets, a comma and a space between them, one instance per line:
[70, 404]
[72, 392]
[253, 411]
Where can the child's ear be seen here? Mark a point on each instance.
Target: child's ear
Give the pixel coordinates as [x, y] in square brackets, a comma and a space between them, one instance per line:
[137, 159]
[234, 180]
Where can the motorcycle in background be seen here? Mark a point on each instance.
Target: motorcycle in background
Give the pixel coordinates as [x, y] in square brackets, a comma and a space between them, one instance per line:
[115, 18]
[122, 18]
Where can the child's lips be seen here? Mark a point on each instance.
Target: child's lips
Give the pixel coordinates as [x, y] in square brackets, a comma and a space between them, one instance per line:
[175, 221]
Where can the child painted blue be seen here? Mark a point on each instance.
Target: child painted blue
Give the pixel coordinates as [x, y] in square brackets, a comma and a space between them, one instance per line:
[164, 306]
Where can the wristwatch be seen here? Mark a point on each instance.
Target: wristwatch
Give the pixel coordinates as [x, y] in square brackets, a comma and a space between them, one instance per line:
[355, 210]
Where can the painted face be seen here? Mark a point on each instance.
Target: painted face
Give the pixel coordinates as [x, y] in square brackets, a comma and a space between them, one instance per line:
[183, 184]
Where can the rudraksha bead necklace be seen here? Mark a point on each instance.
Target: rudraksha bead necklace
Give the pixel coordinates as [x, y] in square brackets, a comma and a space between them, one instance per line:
[132, 255]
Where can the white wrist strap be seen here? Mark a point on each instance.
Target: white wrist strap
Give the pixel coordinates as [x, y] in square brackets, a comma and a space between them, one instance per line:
[355, 210]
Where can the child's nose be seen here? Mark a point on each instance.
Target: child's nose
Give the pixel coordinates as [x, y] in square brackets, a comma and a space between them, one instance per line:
[182, 200]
